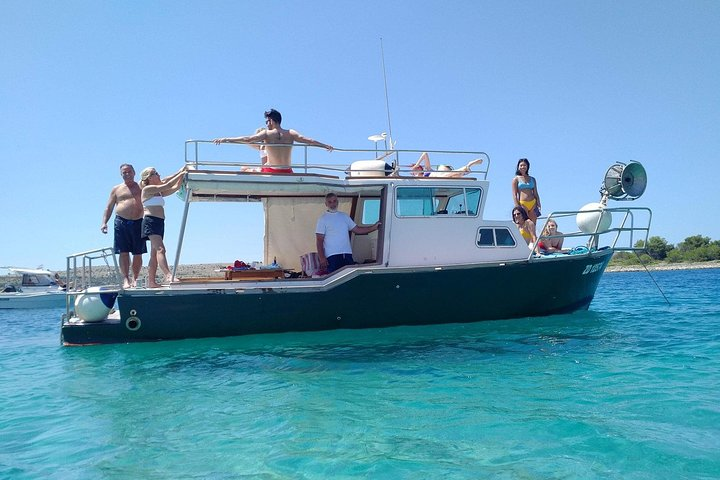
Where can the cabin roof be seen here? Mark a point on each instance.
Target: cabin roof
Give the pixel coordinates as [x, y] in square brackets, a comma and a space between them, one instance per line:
[29, 271]
[223, 185]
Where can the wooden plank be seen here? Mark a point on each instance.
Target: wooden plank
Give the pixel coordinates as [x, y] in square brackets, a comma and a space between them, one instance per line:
[267, 274]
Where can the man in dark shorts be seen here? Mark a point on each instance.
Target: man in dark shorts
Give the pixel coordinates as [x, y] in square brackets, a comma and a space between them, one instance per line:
[125, 200]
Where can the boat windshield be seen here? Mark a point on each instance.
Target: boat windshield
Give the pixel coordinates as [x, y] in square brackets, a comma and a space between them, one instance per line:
[431, 201]
[37, 280]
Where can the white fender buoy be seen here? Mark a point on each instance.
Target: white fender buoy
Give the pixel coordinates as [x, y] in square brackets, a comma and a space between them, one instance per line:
[369, 168]
[591, 215]
[91, 308]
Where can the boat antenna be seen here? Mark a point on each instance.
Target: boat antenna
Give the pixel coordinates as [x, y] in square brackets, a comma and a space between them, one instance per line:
[387, 101]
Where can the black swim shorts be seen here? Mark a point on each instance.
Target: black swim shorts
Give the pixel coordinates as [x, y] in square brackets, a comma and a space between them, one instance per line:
[127, 236]
[152, 226]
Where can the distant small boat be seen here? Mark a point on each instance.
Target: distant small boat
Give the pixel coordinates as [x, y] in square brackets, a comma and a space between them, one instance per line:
[37, 289]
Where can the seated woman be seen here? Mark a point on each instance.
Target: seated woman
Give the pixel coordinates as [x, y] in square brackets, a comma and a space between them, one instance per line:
[153, 224]
[550, 245]
[261, 150]
[423, 168]
[59, 282]
[525, 225]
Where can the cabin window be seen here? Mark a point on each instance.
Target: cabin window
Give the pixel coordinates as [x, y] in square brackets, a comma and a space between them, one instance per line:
[472, 200]
[414, 202]
[504, 238]
[30, 279]
[486, 237]
[494, 237]
[428, 202]
[371, 211]
[465, 202]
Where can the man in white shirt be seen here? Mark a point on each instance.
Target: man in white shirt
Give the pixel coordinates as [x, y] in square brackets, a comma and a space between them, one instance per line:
[331, 236]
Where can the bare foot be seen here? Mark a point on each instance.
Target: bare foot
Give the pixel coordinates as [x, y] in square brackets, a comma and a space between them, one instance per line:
[154, 285]
[127, 283]
[170, 279]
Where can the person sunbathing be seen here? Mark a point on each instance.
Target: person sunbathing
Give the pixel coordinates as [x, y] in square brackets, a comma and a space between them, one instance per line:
[423, 168]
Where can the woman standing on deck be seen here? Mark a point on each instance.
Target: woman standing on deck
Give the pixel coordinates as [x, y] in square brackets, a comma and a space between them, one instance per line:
[153, 224]
[524, 189]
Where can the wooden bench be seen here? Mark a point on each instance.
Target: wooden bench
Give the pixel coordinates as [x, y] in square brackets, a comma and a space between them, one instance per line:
[265, 274]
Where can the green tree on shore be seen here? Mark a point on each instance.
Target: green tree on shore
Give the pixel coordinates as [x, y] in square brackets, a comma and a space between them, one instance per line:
[658, 248]
[696, 248]
[694, 242]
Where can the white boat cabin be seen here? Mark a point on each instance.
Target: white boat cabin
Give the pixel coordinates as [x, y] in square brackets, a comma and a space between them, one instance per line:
[32, 281]
[425, 220]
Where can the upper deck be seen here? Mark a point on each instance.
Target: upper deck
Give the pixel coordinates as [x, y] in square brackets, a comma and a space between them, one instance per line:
[230, 172]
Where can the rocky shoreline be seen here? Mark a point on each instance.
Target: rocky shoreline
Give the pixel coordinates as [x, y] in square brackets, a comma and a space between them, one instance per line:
[103, 275]
[665, 266]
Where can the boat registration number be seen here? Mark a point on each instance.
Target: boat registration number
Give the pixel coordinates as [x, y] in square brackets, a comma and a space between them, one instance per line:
[592, 268]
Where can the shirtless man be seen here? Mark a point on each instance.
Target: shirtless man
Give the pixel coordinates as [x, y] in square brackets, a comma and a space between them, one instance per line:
[125, 199]
[278, 143]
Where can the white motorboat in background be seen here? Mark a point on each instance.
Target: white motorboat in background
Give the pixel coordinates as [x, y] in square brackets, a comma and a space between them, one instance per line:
[36, 288]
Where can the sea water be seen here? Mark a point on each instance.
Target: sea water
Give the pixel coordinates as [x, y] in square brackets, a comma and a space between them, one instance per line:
[629, 389]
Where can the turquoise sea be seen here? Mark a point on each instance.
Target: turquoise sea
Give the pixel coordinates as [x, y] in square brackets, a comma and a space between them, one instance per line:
[629, 390]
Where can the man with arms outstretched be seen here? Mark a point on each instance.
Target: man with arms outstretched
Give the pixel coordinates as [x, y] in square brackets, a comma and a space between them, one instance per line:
[278, 143]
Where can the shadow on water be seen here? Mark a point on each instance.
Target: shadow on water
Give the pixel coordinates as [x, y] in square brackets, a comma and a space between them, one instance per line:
[308, 350]
[628, 382]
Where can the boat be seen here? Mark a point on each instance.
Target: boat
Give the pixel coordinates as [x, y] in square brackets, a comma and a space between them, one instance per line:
[37, 288]
[435, 259]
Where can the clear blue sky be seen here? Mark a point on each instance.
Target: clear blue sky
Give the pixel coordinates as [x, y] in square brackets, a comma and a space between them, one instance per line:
[574, 86]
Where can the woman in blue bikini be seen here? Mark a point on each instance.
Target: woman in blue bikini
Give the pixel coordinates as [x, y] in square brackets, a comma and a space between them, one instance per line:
[524, 189]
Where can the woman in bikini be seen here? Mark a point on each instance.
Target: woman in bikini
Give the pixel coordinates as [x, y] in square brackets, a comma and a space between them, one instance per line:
[524, 189]
[550, 245]
[525, 225]
[153, 224]
[423, 168]
[261, 150]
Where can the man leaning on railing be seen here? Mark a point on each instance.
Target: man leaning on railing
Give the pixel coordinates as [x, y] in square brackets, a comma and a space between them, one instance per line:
[278, 143]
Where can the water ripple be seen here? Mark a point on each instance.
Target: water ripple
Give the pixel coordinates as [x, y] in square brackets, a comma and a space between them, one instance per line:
[613, 392]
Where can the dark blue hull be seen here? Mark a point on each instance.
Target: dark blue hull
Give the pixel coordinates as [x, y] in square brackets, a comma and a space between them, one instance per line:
[373, 298]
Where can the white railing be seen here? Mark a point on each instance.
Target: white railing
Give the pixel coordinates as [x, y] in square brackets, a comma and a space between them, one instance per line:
[628, 226]
[80, 268]
[205, 154]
